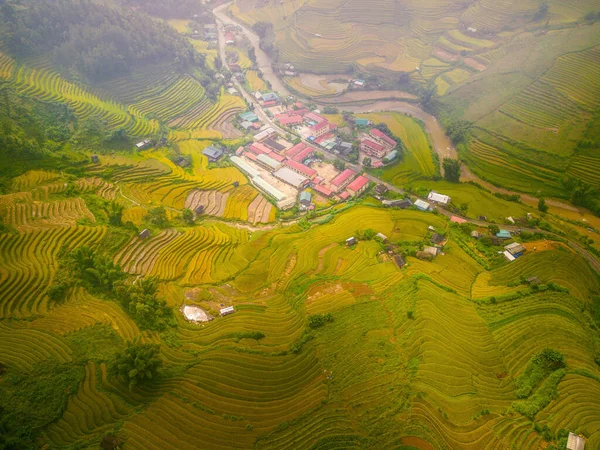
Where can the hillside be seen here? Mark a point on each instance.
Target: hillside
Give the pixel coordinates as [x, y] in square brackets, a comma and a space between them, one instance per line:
[524, 75]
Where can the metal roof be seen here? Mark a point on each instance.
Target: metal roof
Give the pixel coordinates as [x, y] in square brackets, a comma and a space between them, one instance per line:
[268, 189]
[265, 159]
[244, 166]
[290, 177]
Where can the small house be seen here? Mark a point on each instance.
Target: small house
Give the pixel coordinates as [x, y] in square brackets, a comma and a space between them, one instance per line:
[199, 210]
[438, 198]
[226, 311]
[212, 153]
[495, 240]
[305, 198]
[143, 144]
[475, 234]
[515, 249]
[456, 219]
[382, 236]
[351, 241]
[400, 203]
[400, 261]
[144, 234]
[362, 122]
[482, 218]
[533, 280]
[95, 159]
[575, 442]
[438, 239]
[381, 189]
[503, 234]
[508, 256]
[433, 251]
[422, 205]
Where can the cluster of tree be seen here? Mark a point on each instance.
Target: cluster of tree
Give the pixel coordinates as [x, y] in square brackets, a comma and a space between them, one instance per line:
[91, 39]
[100, 274]
[140, 300]
[137, 363]
[582, 194]
[267, 39]
[169, 9]
[318, 320]
[451, 170]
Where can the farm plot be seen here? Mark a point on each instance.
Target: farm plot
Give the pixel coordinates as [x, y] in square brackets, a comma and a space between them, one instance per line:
[30, 216]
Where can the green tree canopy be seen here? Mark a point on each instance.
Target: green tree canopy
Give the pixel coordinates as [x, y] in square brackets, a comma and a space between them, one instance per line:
[451, 170]
[138, 363]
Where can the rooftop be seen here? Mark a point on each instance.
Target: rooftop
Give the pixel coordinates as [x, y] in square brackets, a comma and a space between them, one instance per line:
[342, 177]
[384, 137]
[438, 198]
[358, 183]
[290, 177]
[212, 152]
[268, 188]
[244, 166]
[273, 164]
[305, 170]
[372, 144]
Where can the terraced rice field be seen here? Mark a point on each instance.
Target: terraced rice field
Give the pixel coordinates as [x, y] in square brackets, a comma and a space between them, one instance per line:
[355, 381]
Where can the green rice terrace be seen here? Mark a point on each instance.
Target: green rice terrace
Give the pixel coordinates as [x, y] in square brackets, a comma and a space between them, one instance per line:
[157, 293]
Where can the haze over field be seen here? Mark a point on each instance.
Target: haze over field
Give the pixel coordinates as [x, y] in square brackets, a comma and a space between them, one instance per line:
[299, 224]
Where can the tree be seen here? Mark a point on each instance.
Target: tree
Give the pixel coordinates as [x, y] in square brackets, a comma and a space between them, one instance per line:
[542, 11]
[138, 363]
[188, 216]
[158, 217]
[464, 207]
[339, 164]
[367, 162]
[115, 213]
[542, 205]
[451, 170]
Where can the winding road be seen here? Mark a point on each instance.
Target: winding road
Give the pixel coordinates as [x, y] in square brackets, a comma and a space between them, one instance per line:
[441, 142]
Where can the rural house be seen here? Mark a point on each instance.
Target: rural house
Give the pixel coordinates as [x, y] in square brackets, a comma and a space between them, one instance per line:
[422, 205]
[515, 249]
[438, 239]
[399, 203]
[351, 241]
[145, 233]
[575, 442]
[440, 199]
[226, 311]
[212, 153]
[358, 186]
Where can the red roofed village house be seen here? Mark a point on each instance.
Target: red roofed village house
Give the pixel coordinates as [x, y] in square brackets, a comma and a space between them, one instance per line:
[358, 186]
[343, 179]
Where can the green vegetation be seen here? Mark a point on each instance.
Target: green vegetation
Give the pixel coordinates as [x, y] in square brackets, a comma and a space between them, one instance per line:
[137, 363]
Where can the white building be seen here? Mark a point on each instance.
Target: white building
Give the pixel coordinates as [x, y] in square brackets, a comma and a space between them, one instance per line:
[438, 198]
[226, 311]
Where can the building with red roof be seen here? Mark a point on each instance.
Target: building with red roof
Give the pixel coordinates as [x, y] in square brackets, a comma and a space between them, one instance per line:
[270, 103]
[342, 179]
[344, 195]
[320, 128]
[250, 156]
[383, 138]
[285, 120]
[457, 219]
[301, 168]
[229, 38]
[313, 117]
[295, 150]
[304, 154]
[358, 186]
[372, 148]
[257, 148]
[323, 190]
[277, 156]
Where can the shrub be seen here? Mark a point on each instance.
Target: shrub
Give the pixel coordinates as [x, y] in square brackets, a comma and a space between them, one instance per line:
[318, 320]
[137, 363]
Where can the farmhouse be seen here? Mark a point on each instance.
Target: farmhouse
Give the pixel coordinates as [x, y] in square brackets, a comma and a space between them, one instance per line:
[475, 234]
[358, 186]
[508, 256]
[399, 203]
[438, 198]
[95, 159]
[229, 38]
[145, 233]
[212, 153]
[351, 241]
[575, 442]
[199, 210]
[382, 236]
[343, 179]
[305, 198]
[249, 116]
[438, 239]
[290, 177]
[503, 234]
[226, 311]
[400, 262]
[423, 206]
[515, 249]
[144, 144]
